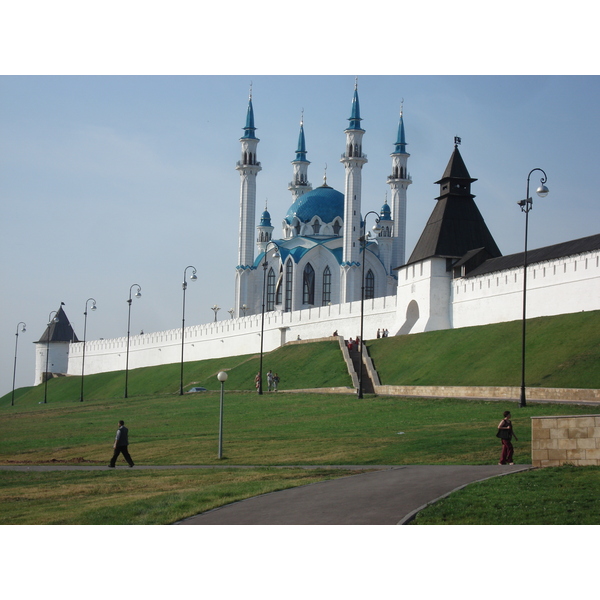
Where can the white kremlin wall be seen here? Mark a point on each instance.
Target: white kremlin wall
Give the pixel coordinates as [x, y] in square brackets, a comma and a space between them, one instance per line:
[233, 337]
[554, 287]
[428, 299]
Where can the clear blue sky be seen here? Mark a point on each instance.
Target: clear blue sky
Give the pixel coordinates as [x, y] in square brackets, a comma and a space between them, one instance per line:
[109, 181]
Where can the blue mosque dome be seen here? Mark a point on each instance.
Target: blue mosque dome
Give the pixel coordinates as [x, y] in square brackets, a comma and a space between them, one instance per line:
[265, 219]
[386, 212]
[323, 202]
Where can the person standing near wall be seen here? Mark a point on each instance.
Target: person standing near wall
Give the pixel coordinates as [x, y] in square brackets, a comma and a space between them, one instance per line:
[506, 433]
[120, 445]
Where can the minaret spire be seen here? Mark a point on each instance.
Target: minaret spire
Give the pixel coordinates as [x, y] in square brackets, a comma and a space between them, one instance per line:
[248, 167]
[399, 181]
[300, 184]
[353, 160]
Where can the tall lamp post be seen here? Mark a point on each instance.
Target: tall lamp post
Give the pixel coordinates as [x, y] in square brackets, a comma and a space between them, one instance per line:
[93, 307]
[222, 377]
[184, 288]
[50, 322]
[138, 294]
[363, 240]
[12, 401]
[265, 264]
[526, 205]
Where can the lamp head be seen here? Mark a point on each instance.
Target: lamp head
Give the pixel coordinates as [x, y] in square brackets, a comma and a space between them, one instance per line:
[542, 191]
[94, 306]
[138, 294]
[23, 329]
[194, 277]
[222, 376]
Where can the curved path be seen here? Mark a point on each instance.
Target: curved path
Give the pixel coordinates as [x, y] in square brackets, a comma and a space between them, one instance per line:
[386, 497]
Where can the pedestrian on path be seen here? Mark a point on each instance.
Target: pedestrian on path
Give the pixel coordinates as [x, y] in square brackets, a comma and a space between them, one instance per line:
[257, 380]
[120, 445]
[270, 380]
[506, 433]
[275, 382]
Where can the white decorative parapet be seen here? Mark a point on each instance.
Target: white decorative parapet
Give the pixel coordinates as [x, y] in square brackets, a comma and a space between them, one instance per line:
[233, 337]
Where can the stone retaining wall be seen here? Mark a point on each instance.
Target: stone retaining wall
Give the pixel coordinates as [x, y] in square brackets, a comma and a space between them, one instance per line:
[565, 439]
[500, 392]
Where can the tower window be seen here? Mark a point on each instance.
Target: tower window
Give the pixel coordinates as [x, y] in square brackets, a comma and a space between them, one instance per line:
[326, 286]
[369, 285]
[289, 272]
[271, 290]
[308, 285]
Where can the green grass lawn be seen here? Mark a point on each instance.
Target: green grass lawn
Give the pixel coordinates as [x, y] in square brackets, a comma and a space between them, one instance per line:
[137, 497]
[290, 428]
[552, 496]
[275, 429]
[562, 351]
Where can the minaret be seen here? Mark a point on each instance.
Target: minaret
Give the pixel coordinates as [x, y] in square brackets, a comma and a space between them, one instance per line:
[385, 237]
[353, 160]
[399, 181]
[264, 231]
[300, 184]
[248, 167]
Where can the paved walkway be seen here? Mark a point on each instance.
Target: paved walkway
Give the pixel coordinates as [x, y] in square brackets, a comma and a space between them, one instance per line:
[391, 495]
[387, 497]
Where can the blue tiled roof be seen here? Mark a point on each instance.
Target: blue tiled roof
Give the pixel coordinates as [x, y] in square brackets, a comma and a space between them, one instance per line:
[323, 202]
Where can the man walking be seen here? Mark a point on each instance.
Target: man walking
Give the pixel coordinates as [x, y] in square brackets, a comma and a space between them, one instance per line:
[120, 445]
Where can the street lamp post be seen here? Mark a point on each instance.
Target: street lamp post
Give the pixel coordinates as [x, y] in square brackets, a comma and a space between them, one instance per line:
[244, 309]
[50, 322]
[222, 377]
[363, 241]
[12, 401]
[526, 205]
[215, 309]
[265, 264]
[138, 294]
[231, 311]
[184, 288]
[93, 307]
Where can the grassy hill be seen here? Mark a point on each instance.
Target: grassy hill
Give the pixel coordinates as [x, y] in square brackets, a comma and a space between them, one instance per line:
[562, 351]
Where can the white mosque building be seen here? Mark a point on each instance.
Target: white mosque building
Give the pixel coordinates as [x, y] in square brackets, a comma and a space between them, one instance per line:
[309, 282]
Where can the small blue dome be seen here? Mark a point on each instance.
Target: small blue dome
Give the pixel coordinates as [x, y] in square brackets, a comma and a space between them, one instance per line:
[386, 212]
[323, 202]
[265, 219]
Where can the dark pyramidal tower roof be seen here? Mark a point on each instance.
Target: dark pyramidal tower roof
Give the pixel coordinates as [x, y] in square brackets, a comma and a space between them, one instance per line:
[60, 331]
[455, 226]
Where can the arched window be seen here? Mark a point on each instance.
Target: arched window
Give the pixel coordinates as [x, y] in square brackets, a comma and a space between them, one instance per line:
[289, 272]
[369, 285]
[308, 285]
[278, 286]
[336, 228]
[326, 286]
[271, 290]
[316, 226]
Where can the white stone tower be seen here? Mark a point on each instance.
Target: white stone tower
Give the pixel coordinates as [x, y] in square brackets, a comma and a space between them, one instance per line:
[399, 181]
[300, 184]
[248, 168]
[353, 160]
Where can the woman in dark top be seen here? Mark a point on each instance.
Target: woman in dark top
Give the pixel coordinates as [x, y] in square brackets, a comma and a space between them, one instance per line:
[505, 432]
